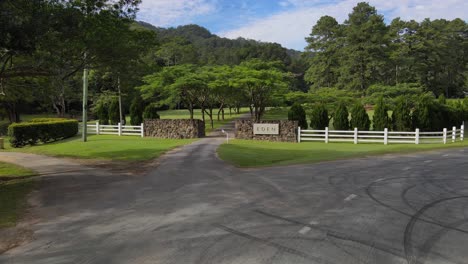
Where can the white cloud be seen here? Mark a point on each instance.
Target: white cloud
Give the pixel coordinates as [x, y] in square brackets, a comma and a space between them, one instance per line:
[166, 12]
[289, 28]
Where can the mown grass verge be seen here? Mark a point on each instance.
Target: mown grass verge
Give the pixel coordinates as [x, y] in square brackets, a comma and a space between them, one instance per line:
[250, 153]
[106, 147]
[13, 193]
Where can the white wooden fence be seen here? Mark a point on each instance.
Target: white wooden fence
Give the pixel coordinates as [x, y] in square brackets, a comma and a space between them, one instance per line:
[118, 129]
[385, 137]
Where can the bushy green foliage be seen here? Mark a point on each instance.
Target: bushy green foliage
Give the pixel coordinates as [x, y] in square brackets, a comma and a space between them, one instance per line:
[359, 117]
[298, 113]
[102, 113]
[136, 111]
[22, 134]
[114, 112]
[381, 119]
[341, 117]
[442, 100]
[411, 91]
[319, 117]
[151, 111]
[401, 116]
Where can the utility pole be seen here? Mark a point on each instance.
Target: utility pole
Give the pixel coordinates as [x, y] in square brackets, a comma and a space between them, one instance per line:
[85, 103]
[120, 101]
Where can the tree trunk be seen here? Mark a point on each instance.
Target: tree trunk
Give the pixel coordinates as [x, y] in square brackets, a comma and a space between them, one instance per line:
[13, 115]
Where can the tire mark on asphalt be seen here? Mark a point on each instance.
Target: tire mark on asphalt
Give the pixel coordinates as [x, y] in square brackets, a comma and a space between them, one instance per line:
[407, 238]
[270, 243]
[337, 235]
[369, 193]
[427, 246]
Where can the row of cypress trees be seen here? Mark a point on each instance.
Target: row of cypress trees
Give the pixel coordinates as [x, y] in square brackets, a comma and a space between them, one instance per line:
[427, 114]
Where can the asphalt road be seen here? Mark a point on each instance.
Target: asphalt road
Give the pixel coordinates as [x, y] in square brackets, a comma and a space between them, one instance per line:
[194, 208]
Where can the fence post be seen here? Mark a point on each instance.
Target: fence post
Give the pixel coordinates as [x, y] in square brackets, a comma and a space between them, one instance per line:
[454, 134]
[462, 132]
[445, 136]
[355, 135]
[142, 130]
[416, 136]
[97, 128]
[385, 136]
[120, 129]
[299, 134]
[326, 135]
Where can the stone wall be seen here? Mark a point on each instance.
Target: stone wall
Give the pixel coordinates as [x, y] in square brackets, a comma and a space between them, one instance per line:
[287, 130]
[174, 128]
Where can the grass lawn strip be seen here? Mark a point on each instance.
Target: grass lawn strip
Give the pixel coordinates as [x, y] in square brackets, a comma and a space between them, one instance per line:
[250, 153]
[106, 147]
[13, 193]
[8, 170]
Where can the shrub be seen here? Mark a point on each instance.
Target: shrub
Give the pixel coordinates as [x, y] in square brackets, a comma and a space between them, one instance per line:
[359, 117]
[429, 115]
[401, 116]
[297, 113]
[341, 117]
[381, 119]
[442, 100]
[114, 112]
[22, 134]
[136, 111]
[102, 113]
[151, 111]
[319, 117]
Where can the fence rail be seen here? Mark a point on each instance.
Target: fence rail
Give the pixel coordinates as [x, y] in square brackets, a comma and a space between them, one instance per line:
[385, 137]
[118, 129]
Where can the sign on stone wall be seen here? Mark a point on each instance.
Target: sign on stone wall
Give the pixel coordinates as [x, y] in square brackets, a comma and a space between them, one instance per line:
[266, 129]
[272, 130]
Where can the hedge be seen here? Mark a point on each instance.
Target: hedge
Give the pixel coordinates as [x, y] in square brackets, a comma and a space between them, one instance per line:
[47, 119]
[31, 133]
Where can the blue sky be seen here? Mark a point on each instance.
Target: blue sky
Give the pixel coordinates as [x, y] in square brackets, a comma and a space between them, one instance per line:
[286, 22]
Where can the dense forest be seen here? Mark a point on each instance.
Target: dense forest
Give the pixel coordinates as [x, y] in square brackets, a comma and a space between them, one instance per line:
[364, 51]
[45, 45]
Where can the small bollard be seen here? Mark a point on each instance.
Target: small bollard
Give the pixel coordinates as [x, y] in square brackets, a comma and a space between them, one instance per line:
[1, 144]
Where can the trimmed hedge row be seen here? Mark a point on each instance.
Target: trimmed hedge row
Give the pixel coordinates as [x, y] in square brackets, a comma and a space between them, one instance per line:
[30, 133]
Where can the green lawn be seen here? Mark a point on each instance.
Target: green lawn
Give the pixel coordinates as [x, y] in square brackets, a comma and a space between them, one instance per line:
[13, 193]
[249, 153]
[11, 170]
[106, 147]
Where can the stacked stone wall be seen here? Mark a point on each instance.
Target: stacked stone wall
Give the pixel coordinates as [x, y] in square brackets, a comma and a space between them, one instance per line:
[174, 128]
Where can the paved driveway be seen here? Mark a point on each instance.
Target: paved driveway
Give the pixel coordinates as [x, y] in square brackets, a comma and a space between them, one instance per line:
[194, 208]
